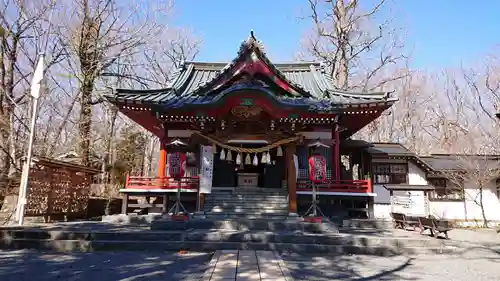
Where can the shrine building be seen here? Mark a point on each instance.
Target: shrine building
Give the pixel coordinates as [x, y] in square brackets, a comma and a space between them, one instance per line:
[251, 123]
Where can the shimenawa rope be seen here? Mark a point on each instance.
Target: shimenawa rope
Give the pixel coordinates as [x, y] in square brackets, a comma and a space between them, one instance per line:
[249, 150]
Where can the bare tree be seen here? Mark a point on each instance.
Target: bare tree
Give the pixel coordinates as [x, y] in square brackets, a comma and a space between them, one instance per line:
[161, 62]
[22, 37]
[484, 83]
[118, 43]
[472, 176]
[358, 55]
[104, 32]
[363, 51]
[462, 125]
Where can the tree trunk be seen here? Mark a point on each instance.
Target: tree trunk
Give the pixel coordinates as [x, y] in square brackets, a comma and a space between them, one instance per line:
[481, 205]
[7, 108]
[85, 122]
[12, 147]
[107, 153]
[341, 67]
[465, 205]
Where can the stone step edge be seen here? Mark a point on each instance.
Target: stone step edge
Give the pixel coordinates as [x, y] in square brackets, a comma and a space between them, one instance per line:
[250, 190]
[255, 195]
[242, 215]
[247, 216]
[249, 206]
[246, 207]
[225, 223]
[191, 230]
[153, 232]
[133, 245]
[243, 212]
[269, 195]
[343, 238]
[207, 231]
[247, 196]
[282, 209]
[247, 200]
[244, 201]
[225, 231]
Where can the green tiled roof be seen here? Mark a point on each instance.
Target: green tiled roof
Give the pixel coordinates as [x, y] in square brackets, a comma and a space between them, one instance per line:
[201, 83]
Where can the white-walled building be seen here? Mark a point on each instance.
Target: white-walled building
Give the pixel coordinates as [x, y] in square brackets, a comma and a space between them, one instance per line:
[421, 186]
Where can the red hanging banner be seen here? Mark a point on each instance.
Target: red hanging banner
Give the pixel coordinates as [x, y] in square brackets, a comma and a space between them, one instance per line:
[317, 168]
[177, 164]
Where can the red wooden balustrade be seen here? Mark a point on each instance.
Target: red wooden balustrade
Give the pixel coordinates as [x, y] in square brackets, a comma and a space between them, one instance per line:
[139, 182]
[353, 186]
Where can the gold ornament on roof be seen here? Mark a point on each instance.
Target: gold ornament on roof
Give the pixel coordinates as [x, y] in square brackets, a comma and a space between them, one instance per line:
[244, 111]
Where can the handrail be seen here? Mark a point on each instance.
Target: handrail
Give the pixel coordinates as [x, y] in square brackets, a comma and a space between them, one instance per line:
[354, 186]
[139, 182]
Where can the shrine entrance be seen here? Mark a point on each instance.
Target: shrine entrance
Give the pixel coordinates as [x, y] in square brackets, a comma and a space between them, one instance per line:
[250, 170]
[249, 142]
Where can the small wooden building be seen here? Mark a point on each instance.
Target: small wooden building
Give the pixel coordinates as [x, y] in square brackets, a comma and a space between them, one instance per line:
[56, 189]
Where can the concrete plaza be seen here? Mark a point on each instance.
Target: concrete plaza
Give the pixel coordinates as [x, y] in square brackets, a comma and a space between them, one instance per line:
[478, 259]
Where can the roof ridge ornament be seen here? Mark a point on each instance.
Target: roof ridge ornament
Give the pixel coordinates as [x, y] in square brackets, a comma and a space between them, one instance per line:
[252, 43]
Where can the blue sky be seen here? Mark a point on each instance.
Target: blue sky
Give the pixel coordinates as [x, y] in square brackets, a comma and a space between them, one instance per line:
[440, 33]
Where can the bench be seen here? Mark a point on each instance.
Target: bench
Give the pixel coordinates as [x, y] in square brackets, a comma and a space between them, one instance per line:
[402, 221]
[435, 226]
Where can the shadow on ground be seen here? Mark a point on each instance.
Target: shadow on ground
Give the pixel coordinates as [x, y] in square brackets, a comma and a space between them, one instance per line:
[109, 266]
[341, 267]
[471, 263]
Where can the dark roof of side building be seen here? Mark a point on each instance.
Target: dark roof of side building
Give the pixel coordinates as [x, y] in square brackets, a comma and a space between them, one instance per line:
[460, 162]
[391, 149]
[437, 162]
[397, 150]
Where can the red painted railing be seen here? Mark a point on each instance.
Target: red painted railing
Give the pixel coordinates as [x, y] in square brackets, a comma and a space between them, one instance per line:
[138, 182]
[354, 186]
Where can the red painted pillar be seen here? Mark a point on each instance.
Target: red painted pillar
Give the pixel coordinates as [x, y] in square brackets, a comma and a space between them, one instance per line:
[336, 152]
[162, 160]
[290, 150]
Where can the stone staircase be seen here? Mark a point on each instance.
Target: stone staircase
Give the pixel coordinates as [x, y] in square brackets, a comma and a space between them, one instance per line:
[247, 203]
[243, 219]
[206, 235]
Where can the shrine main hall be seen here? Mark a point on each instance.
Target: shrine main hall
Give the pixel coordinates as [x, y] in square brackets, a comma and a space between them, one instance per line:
[253, 124]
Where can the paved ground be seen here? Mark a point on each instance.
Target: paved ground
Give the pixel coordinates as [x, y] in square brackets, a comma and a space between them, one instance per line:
[476, 265]
[109, 266]
[479, 261]
[247, 266]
